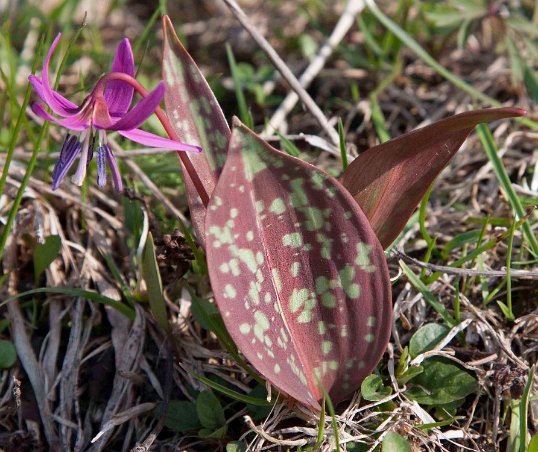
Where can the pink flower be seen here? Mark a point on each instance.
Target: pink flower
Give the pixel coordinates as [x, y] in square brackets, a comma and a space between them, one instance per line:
[105, 108]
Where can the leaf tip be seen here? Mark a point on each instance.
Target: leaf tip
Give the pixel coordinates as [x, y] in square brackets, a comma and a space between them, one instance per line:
[236, 122]
[519, 111]
[166, 21]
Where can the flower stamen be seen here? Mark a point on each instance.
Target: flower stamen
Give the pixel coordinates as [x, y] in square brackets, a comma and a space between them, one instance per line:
[69, 151]
[80, 174]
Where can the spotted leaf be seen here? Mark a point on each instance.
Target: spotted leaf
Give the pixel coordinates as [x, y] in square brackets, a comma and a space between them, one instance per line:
[298, 274]
[389, 180]
[196, 117]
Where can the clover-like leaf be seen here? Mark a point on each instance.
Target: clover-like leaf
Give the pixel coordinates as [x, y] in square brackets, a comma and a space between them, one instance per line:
[389, 180]
[426, 338]
[441, 382]
[196, 117]
[298, 274]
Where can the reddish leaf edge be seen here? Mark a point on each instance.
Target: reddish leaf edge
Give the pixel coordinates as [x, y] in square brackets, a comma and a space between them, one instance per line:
[457, 123]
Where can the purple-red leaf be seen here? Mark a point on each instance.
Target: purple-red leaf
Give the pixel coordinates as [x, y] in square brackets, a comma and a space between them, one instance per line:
[389, 180]
[196, 117]
[298, 274]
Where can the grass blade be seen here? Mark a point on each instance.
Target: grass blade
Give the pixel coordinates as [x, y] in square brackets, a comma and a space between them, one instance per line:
[244, 113]
[523, 411]
[428, 296]
[230, 393]
[152, 277]
[73, 291]
[491, 150]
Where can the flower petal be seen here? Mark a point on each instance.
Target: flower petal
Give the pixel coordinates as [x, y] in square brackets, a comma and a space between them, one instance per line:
[76, 122]
[118, 95]
[37, 84]
[70, 149]
[141, 111]
[149, 139]
[116, 176]
[48, 94]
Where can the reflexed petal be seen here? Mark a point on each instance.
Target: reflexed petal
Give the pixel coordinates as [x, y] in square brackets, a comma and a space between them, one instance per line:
[118, 95]
[37, 84]
[141, 111]
[149, 139]
[70, 149]
[76, 122]
[100, 160]
[116, 176]
[48, 94]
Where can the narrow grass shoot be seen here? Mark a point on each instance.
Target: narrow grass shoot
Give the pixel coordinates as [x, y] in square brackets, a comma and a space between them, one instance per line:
[244, 112]
[500, 171]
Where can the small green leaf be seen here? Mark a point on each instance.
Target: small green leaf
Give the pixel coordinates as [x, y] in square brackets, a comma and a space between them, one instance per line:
[209, 433]
[8, 355]
[259, 412]
[426, 338]
[210, 411]
[409, 374]
[441, 382]
[45, 253]
[236, 446]
[395, 443]
[308, 46]
[205, 313]
[533, 445]
[372, 388]
[506, 310]
[181, 416]
[150, 273]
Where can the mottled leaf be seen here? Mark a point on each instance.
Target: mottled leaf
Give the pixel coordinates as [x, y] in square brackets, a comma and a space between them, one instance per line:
[196, 117]
[298, 275]
[389, 180]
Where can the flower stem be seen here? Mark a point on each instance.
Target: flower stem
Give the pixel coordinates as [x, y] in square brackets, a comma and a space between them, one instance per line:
[189, 167]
